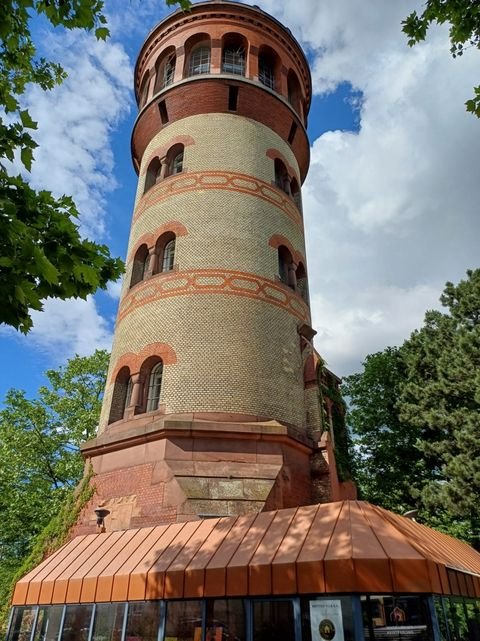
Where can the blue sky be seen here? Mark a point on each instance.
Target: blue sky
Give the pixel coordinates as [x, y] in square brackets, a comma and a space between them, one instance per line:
[390, 202]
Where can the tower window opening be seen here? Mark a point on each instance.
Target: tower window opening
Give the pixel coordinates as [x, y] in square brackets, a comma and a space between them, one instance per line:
[144, 90]
[121, 396]
[165, 69]
[265, 71]
[140, 265]
[285, 267]
[162, 107]
[153, 174]
[294, 93]
[168, 256]
[169, 70]
[199, 60]
[165, 253]
[177, 163]
[282, 180]
[154, 387]
[301, 278]
[128, 394]
[175, 160]
[296, 194]
[233, 60]
[232, 98]
[292, 132]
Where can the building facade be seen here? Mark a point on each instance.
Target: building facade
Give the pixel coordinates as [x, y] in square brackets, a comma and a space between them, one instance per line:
[214, 466]
[212, 402]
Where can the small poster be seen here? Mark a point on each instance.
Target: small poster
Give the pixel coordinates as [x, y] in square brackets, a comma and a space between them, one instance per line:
[326, 620]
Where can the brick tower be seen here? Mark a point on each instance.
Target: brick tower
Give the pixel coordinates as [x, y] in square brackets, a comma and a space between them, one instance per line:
[212, 404]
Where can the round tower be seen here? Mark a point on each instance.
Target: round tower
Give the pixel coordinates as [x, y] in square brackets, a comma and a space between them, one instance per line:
[211, 403]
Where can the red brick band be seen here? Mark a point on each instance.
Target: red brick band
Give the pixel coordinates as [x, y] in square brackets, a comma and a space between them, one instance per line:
[231, 181]
[213, 281]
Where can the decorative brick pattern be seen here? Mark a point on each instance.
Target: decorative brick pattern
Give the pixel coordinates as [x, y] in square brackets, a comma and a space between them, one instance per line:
[213, 281]
[229, 181]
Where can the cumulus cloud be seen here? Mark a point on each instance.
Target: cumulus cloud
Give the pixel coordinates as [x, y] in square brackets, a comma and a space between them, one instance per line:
[390, 208]
[70, 327]
[76, 122]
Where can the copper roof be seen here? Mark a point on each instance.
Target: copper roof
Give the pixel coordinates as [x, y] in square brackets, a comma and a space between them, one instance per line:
[348, 546]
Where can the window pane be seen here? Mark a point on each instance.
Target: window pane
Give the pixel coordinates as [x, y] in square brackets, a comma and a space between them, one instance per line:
[154, 387]
[265, 73]
[177, 164]
[234, 60]
[108, 622]
[22, 624]
[168, 256]
[77, 623]
[273, 620]
[169, 71]
[200, 61]
[442, 624]
[473, 620]
[143, 621]
[225, 620]
[397, 618]
[48, 623]
[184, 621]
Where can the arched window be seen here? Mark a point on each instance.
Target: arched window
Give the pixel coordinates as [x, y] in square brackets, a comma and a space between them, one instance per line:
[294, 92]
[175, 160]
[301, 278]
[122, 394]
[153, 174]
[165, 69]
[233, 54]
[168, 256]
[285, 269]
[282, 180]
[154, 387]
[296, 195]
[140, 265]
[165, 252]
[199, 59]
[267, 66]
[144, 89]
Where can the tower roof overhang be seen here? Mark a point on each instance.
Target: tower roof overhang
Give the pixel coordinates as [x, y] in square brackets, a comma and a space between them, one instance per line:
[342, 547]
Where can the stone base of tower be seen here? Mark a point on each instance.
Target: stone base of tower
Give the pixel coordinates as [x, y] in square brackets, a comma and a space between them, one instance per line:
[173, 469]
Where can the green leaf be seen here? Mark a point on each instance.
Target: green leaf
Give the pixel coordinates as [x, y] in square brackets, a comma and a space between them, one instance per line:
[102, 33]
[27, 120]
[26, 156]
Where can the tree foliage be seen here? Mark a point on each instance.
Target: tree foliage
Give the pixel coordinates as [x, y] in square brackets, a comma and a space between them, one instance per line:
[40, 462]
[463, 16]
[41, 251]
[415, 414]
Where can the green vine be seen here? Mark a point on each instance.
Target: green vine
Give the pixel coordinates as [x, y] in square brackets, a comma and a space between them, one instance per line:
[341, 435]
[54, 535]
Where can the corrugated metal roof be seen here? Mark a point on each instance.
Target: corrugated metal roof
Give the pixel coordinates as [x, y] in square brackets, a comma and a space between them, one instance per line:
[348, 546]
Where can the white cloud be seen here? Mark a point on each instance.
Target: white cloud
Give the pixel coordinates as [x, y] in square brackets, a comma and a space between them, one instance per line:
[114, 288]
[66, 328]
[391, 210]
[76, 122]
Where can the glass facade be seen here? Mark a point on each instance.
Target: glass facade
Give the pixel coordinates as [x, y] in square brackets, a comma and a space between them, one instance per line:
[385, 617]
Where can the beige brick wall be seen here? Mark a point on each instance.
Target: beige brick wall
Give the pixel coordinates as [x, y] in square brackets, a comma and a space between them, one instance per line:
[235, 354]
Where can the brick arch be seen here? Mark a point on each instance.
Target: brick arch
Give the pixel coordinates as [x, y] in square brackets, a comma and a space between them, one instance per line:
[150, 239]
[135, 361]
[274, 154]
[277, 239]
[310, 372]
[161, 151]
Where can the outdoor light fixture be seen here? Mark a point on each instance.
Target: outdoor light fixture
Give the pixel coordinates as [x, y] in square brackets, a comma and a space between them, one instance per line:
[101, 513]
[411, 514]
